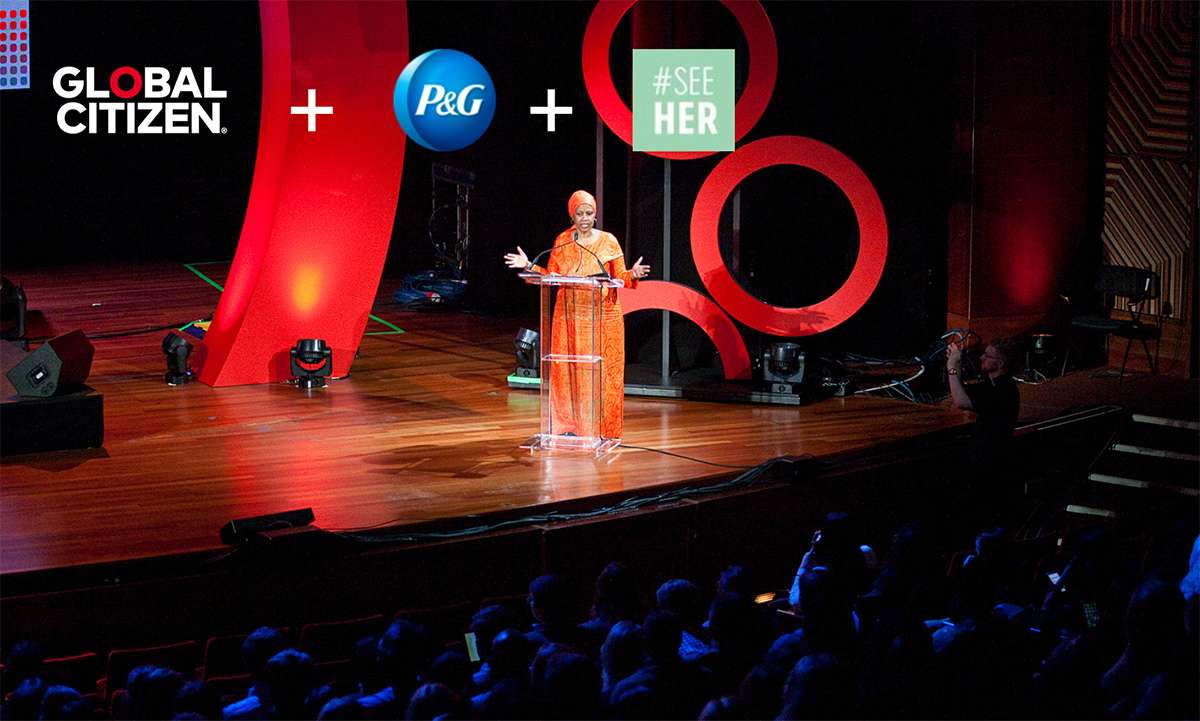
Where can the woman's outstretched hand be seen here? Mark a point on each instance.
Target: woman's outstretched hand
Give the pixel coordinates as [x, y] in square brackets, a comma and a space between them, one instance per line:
[639, 270]
[517, 260]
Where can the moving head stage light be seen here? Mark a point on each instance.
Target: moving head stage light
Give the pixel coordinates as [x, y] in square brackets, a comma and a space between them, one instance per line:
[307, 353]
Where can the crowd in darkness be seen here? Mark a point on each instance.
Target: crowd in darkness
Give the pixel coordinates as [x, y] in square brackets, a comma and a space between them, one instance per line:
[898, 632]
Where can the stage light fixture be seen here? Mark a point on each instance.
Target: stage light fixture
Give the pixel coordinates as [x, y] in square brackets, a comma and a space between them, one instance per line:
[783, 367]
[528, 344]
[307, 353]
[177, 350]
[1040, 353]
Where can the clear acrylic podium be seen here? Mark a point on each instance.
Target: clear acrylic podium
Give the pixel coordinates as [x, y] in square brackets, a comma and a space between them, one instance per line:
[572, 366]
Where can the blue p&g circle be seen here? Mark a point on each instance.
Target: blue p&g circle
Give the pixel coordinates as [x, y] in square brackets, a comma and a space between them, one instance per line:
[444, 100]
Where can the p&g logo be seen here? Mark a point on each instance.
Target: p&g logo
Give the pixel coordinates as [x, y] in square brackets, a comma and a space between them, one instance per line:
[444, 100]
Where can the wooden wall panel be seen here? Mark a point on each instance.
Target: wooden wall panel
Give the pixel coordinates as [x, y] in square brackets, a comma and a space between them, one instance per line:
[1150, 144]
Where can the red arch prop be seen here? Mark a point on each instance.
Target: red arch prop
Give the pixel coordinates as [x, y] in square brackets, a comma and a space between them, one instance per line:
[322, 203]
[663, 295]
[872, 228]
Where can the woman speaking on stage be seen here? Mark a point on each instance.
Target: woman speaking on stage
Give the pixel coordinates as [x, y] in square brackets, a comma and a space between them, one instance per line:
[585, 250]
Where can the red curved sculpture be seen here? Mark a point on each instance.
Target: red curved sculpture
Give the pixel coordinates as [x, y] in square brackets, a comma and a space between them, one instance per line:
[323, 201]
[663, 295]
[872, 235]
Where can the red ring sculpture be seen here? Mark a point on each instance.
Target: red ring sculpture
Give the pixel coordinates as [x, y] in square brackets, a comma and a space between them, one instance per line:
[872, 228]
[597, 74]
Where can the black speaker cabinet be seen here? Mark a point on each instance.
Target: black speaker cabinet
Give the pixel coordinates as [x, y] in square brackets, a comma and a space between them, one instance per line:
[243, 529]
[57, 366]
[63, 422]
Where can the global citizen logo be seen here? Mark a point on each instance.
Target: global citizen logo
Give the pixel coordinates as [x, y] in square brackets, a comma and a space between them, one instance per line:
[444, 100]
[146, 116]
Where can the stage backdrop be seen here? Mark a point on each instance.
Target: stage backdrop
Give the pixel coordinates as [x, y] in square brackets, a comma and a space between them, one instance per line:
[878, 85]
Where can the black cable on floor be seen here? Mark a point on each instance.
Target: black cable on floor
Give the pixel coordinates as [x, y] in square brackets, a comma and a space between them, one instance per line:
[686, 458]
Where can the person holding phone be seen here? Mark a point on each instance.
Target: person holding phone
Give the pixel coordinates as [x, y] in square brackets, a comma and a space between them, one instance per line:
[989, 495]
[835, 548]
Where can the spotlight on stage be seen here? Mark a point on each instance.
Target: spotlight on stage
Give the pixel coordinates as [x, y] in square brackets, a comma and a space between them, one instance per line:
[177, 351]
[1040, 358]
[783, 367]
[312, 363]
[528, 344]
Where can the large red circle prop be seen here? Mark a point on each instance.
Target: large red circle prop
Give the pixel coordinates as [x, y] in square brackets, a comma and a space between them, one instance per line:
[691, 304]
[597, 74]
[872, 234]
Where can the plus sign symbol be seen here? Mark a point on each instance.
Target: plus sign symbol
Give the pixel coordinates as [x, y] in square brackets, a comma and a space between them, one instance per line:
[550, 110]
[312, 110]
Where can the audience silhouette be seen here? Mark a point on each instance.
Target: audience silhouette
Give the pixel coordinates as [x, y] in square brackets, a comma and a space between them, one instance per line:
[1096, 632]
[258, 648]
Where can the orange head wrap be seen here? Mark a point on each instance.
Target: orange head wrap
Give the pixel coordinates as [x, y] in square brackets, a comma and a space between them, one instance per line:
[578, 198]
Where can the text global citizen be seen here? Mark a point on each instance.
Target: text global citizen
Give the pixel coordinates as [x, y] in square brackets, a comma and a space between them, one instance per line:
[146, 115]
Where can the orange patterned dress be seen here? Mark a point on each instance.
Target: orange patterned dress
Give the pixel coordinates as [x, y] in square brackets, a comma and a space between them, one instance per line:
[571, 391]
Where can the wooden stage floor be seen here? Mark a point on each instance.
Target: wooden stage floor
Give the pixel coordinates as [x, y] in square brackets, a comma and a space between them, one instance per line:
[425, 427]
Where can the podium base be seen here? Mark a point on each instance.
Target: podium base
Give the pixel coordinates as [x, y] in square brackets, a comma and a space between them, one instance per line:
[543, 442]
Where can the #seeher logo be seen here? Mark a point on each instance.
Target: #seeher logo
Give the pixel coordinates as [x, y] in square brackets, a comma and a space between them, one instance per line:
[444, 100]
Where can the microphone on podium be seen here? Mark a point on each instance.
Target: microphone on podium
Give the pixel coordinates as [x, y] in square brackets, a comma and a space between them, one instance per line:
[575, 237]
[539, 256]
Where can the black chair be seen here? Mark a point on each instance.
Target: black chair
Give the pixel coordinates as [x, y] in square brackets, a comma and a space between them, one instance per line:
[1136, 286]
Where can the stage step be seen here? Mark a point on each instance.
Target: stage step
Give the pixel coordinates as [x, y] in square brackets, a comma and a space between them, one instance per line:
[1081, 510]
[1166, 422]
[1136, 483]
[1149, 451]
[1112, 497]
[1151, 462]
[1155, 468]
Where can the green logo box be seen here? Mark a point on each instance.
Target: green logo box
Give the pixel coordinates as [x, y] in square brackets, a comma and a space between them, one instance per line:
[683, 100]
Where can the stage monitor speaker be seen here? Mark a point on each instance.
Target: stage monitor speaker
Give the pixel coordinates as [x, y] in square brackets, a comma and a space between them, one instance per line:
[56, 366]
[243, 529]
